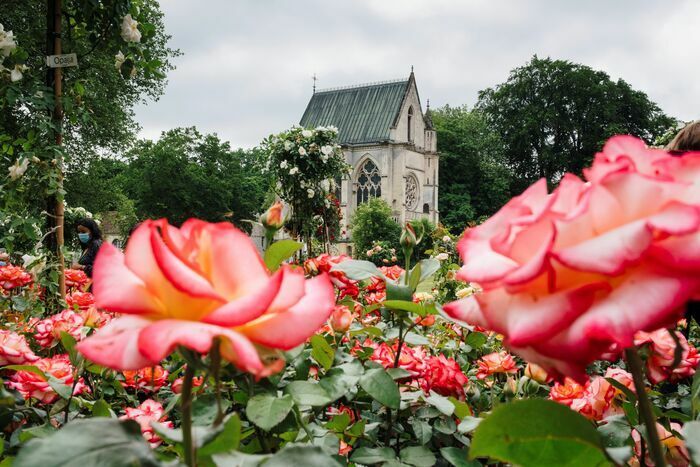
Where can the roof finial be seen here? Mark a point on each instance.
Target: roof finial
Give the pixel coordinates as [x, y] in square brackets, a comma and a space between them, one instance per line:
[428, 106]
[411, 69]
[315, 79]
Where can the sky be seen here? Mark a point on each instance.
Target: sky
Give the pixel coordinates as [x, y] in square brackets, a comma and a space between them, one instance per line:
[247, 65]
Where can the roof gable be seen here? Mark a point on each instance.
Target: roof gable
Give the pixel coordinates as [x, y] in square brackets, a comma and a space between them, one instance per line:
[363, 114]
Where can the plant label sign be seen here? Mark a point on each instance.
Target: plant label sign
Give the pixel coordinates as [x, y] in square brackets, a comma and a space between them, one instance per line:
[61, 61]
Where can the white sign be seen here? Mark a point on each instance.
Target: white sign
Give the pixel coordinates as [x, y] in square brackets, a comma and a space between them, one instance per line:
[60, 61]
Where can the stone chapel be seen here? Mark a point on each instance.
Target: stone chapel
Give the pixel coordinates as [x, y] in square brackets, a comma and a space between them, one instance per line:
[389, 142]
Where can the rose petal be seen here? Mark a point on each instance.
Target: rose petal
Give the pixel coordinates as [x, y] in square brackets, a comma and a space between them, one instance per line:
[116, 345]
[287, 329]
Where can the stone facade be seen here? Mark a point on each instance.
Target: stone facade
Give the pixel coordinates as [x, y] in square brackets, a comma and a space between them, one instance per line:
[402, 168]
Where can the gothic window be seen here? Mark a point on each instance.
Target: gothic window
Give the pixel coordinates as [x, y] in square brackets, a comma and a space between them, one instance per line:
[426, 208]
[411, 192]
[369, 182]
[410, 123]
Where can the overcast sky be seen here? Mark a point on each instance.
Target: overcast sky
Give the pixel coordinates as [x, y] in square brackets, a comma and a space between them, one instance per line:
[247, 65]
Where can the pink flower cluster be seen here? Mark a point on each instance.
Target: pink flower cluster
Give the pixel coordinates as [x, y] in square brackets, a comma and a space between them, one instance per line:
[496, 362]
[33, 386]
[149, 411]
[324, 263]
[14, 349]
[47, 332]
[76, 279]
[12, 277]
[597, 398]
[662, 349]
[438, 373]
[149, 379]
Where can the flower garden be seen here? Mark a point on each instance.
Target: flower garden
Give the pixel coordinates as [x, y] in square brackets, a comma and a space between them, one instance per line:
[558, 328]
[552, 334]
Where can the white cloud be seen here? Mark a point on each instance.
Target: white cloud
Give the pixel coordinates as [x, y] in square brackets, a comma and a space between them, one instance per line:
[247, 66]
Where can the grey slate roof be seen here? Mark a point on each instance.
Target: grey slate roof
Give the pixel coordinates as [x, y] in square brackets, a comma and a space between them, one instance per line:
[363, 114]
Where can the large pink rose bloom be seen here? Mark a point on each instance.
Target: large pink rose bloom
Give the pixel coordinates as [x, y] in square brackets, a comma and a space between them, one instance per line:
[569, 277]
[189, 285]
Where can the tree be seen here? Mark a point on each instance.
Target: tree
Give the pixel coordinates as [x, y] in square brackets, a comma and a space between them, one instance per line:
[186, 174]
[372, 222]
[554, 115]
[474, 181]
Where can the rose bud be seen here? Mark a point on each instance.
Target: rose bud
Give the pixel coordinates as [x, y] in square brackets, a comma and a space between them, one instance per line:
[341, 318]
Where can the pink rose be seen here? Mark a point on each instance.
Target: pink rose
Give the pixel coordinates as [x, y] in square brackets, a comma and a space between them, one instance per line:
[31, 385]
[496, 362]
[176, 385]
[189, 285]
[80, 300]
[341, 318]
[662, 349]
[149, 411]
[146, 379]
[567, 277]
[12, 277]
[444, 376]
[14, 349]
[676, 453]
[47, 332]
[76, 279]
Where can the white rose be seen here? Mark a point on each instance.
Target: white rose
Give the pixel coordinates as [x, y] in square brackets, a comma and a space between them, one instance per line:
[284, 165]
[16, 73]
[326, 185]
[442, 257]
[324, 158]
[307, 133]
[7, 42]
[310, 193]
[18, 168]
[302, 151]
[130, 29]
[446, 239]
[369, 253]
[288, 145]
[293, 170]
[119, 60]
[327, 150]
[464, 292]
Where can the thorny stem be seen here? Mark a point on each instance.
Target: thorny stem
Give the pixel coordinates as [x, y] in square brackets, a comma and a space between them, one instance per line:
[646, 411]
[186, 406]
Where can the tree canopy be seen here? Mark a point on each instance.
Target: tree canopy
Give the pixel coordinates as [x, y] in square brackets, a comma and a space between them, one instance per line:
[474, 181]
[554, 115]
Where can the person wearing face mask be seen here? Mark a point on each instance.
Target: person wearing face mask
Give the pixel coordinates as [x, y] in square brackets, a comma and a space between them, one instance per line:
[90, 238]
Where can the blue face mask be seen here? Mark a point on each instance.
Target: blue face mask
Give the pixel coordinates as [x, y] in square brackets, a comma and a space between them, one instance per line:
[2, 263]
[84, 237]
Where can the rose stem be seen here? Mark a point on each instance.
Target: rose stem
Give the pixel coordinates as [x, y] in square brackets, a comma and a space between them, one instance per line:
[646, 411]
[186, 406]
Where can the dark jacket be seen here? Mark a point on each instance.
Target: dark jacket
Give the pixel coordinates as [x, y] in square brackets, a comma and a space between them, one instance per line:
[87, 259]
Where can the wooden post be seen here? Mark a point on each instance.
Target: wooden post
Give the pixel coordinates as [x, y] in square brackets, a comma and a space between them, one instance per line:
[54, 76]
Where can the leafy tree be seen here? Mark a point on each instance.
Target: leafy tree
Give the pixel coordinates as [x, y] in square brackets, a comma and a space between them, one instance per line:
[186, 174]
[372, 222]
[554, 115]
[474, 182]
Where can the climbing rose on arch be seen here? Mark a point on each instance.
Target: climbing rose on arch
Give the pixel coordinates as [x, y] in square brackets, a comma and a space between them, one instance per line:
[570, 277]
[190, 285]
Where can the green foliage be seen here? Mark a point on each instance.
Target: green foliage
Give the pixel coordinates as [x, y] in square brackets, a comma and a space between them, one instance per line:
[538, 432]
[186, 174]
[554, 115]
[372, 221]
[98, 441]
[474, 180]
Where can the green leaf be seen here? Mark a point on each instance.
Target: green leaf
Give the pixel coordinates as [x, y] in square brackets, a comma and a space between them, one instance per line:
[267, 411]
[97, 441]
[631, 396]
[458, 457]
[695, 394]
[63, 390]
[372, 455]
[29, 368]
[101, 409]
[691, 433]
[462, 409]
[396, 293]
[417, 456]
[441, 403]
[468, 424]
[339, 423]
[308, 393]
[428, 267]
[535, 432]
[416, 308]
[301, 455]
[422, 430]
[414, 277]
[239, 459]
[280, 251]
[616, 431]
[69, 343]
[322, 352]
[398, 373]
[379, 385]
[358, 270]
[227, 440]
[476, 340]
[204, 410]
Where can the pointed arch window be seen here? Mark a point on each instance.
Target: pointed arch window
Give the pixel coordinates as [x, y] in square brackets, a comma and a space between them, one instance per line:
[410, 123]
[369, 182]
